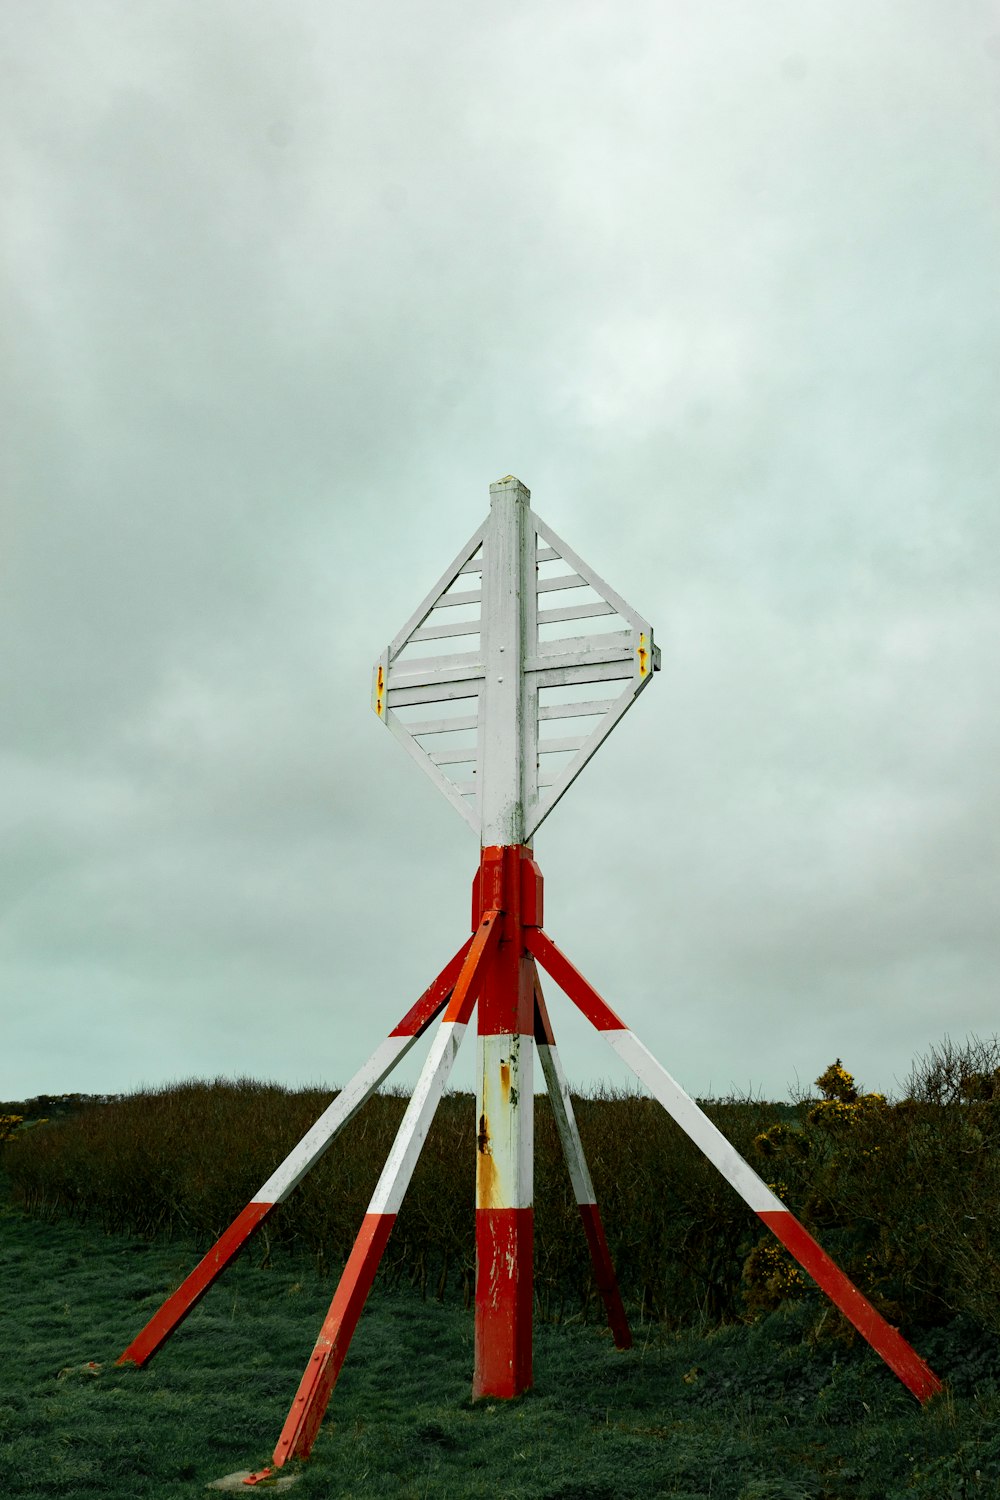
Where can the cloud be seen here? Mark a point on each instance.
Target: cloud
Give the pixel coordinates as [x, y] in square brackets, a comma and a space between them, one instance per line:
[285, 293]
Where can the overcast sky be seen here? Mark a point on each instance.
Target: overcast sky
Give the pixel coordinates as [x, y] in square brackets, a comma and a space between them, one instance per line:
[286, 286]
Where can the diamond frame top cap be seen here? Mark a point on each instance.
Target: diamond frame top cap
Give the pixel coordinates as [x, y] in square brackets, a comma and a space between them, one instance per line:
[530, 661]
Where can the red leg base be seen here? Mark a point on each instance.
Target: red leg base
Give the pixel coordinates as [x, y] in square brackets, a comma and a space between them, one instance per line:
[190, 1292]
[504, 1258]
[604, 1275]
[887, 1341]
[303, 1421]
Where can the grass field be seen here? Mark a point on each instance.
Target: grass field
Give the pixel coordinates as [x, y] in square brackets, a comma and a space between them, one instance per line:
[746, 1412]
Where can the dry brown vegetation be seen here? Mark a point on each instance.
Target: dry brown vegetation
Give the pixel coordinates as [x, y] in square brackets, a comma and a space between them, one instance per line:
[903, 1193]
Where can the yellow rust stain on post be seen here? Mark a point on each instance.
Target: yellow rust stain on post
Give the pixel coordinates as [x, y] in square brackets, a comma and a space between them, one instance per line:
[505, 1081]
[642, 651]
[380, 691]
[486, 1172]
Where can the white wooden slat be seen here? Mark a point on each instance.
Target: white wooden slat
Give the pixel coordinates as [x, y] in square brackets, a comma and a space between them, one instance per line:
[564, 581]
[436, 668]
[439, 632]
[572, 742]
[536, 816]
[575, 612]
[595, 580]
[471, 596]
[454, 757]
[434, 692]
[479, 681]
[614, 646]
[529, 643]
[590, 653]
[588, 708]
[440, 726]
[591, 671]
[422, 759]
[423, 609]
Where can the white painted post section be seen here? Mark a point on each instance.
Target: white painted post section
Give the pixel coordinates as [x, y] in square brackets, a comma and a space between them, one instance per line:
[504, 1050]
[506, 1080]
[508, 537]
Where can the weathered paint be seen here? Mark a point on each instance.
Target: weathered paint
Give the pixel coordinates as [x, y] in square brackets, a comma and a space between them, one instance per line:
[501, 744]
[379, 687]
[887, 1342]
[503, 1108]
[504, 1255]
[505, 1136]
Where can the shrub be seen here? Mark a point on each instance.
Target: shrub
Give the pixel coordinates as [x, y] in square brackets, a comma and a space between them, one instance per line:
[901, 1193]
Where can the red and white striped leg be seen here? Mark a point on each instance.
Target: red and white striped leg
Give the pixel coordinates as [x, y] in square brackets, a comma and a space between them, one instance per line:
[569, 1137]
[320, 1376]
[299, 1161]
[887, 1341]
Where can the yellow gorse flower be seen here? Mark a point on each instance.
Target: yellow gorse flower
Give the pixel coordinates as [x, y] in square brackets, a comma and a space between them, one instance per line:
[8, 1124]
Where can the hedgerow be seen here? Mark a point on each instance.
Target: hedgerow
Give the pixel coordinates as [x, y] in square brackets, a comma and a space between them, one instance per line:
[903, 1193]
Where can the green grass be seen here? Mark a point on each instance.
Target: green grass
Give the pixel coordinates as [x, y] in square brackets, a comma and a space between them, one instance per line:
[748, 1412]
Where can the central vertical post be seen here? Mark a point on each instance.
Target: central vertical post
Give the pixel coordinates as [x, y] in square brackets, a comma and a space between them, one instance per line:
[504, 1057]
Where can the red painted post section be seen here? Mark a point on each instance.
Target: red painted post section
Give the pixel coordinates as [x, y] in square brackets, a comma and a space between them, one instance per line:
[508, 879]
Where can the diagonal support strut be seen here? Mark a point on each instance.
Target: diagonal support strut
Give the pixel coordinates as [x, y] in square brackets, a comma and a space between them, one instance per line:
[569, 1137]
[887, 1341]
[297, 1163]
[320, 1376]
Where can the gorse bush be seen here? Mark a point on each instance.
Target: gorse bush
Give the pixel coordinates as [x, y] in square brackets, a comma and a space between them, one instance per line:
[903, 1194]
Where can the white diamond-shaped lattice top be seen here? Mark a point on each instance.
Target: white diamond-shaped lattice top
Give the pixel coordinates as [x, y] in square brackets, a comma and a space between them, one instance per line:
[512, 671]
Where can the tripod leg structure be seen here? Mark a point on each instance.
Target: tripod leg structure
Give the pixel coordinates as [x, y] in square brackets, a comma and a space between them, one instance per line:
[569, 1137]
[297, 1164]
[887, 1341]
[311, 1400]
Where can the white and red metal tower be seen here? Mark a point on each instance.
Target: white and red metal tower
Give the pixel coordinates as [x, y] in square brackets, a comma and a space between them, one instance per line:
[503, 726]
